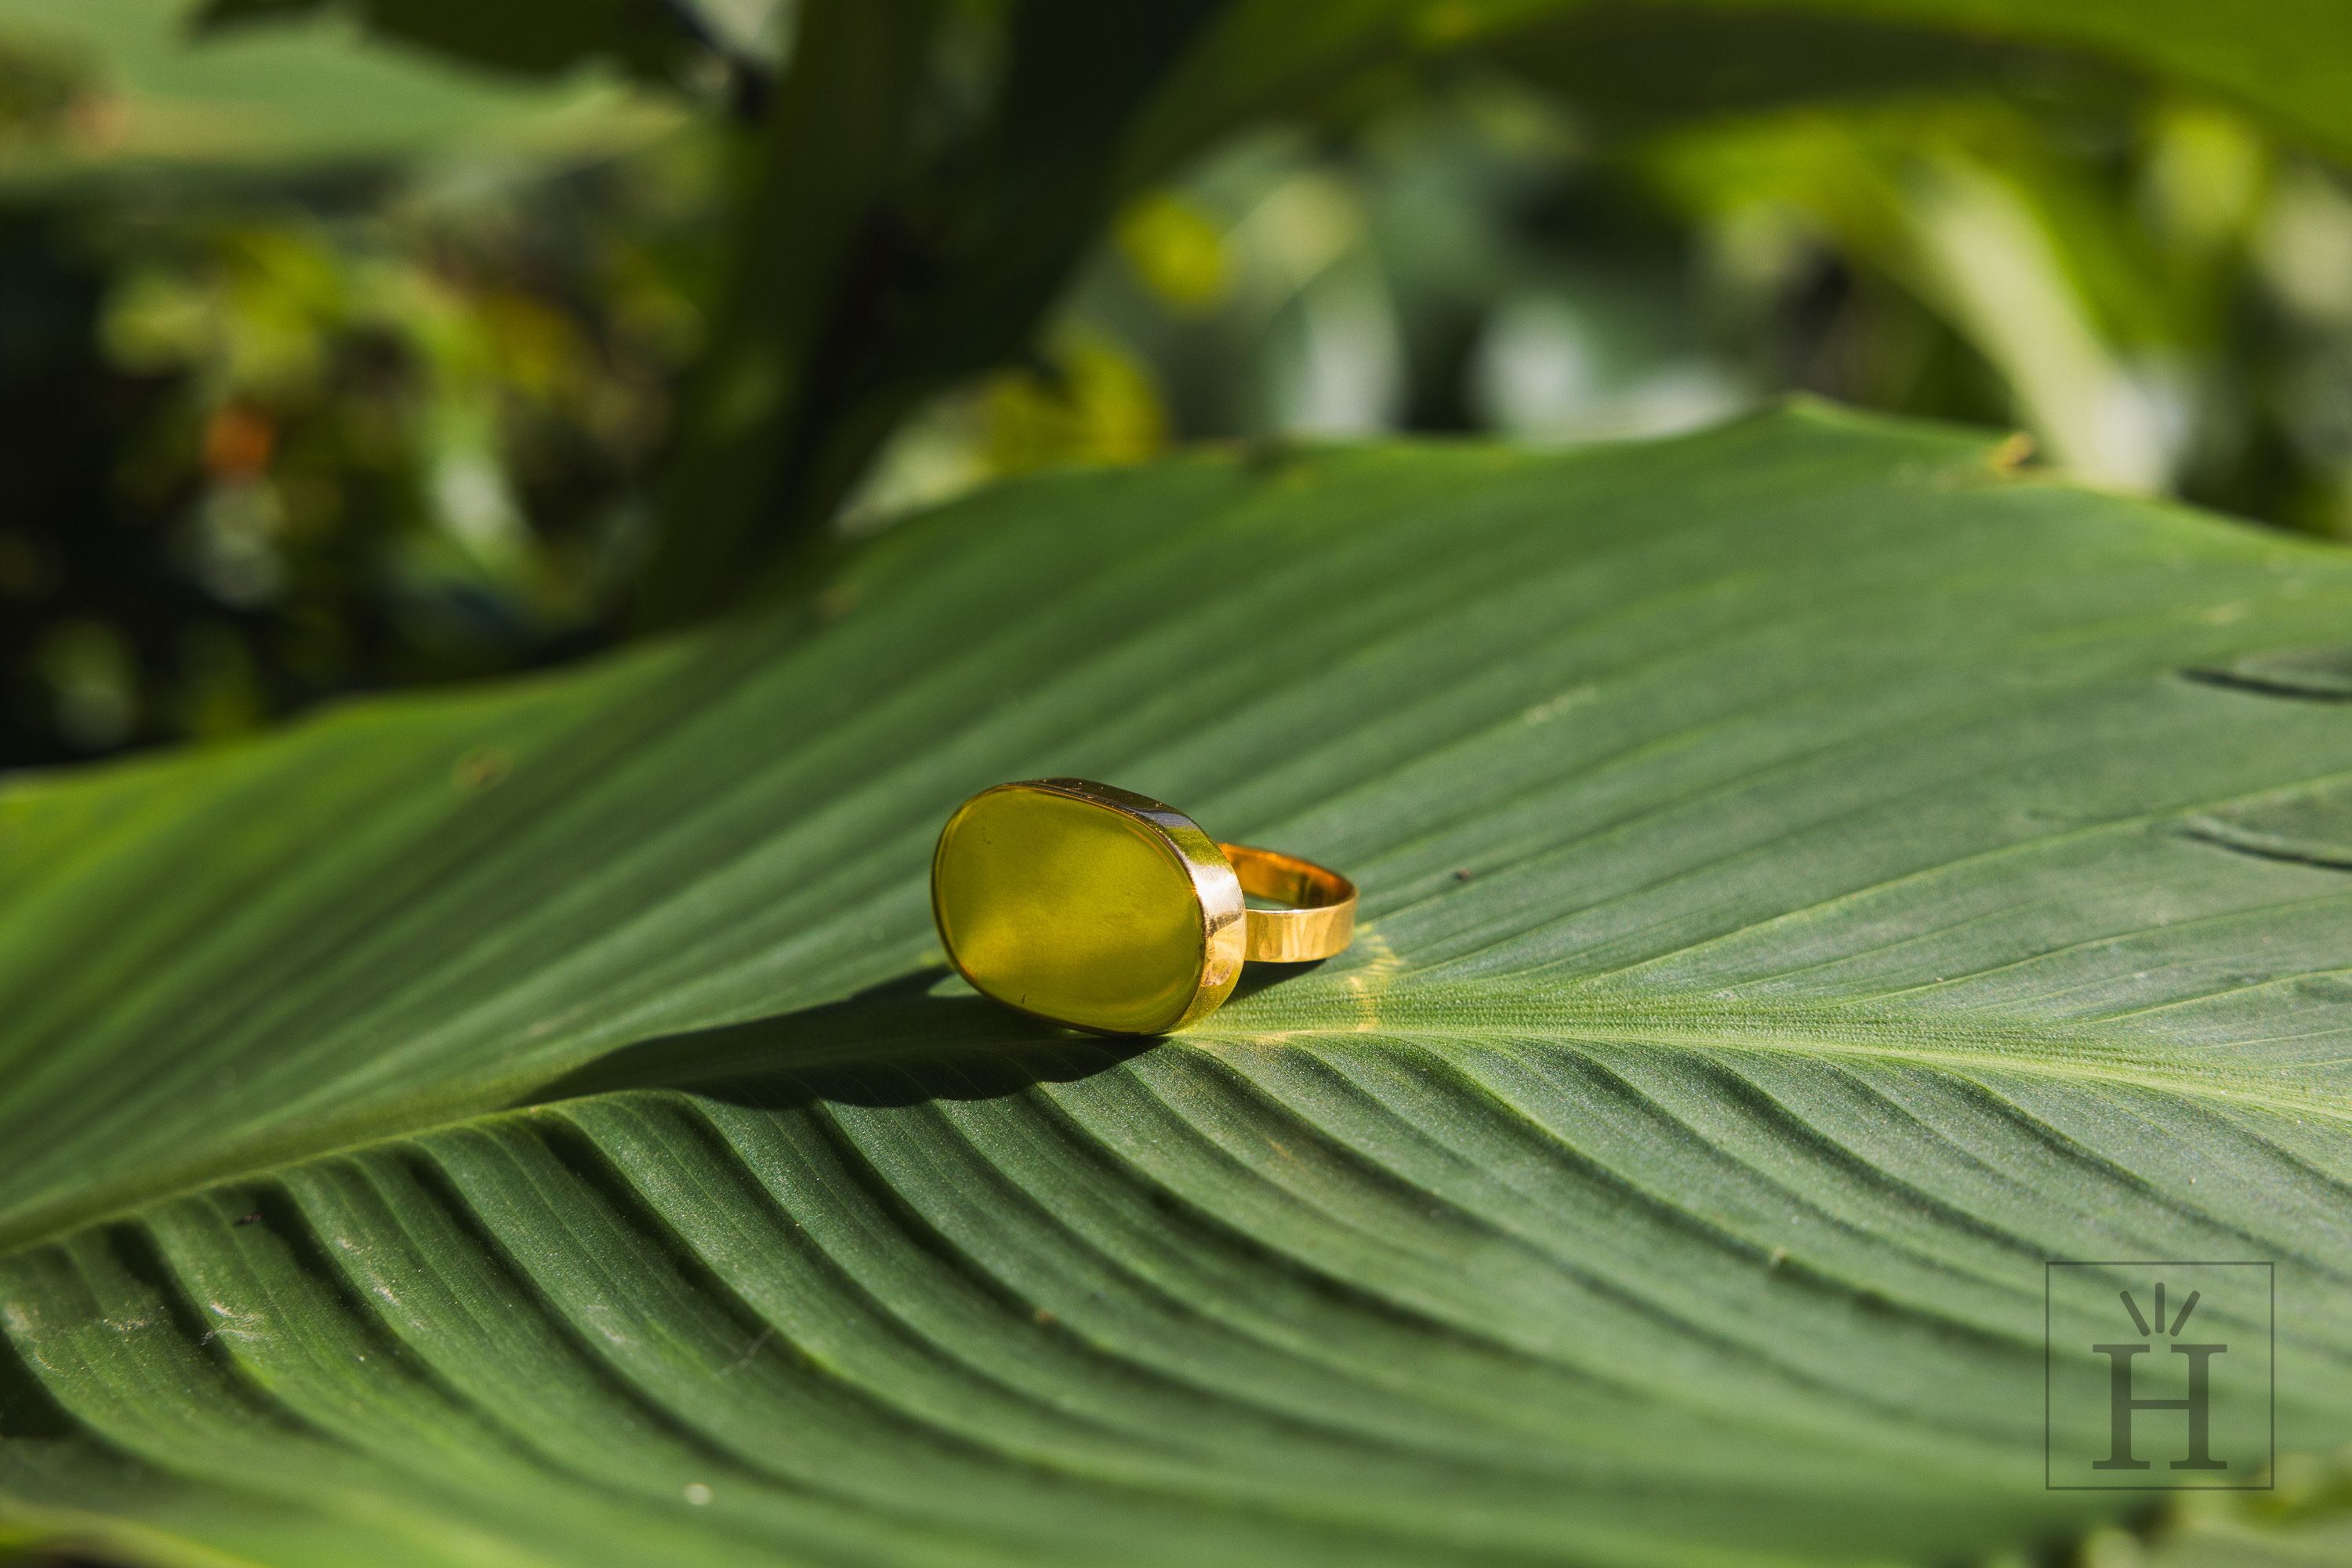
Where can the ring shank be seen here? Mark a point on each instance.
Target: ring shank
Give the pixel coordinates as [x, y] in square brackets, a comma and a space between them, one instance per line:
[1321, 920]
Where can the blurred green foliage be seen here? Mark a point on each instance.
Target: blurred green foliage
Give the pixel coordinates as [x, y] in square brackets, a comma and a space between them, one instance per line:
[2149, 283]
[270, 438]
[267, 451]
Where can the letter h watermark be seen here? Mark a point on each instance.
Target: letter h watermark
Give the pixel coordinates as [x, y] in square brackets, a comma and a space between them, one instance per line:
[2137, 1389]
[2200, 1403]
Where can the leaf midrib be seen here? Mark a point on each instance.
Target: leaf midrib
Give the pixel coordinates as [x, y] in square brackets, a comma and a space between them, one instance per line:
[1424, 1017]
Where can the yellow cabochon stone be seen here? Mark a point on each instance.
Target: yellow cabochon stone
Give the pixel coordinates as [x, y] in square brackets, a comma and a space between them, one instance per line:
[1069, 909]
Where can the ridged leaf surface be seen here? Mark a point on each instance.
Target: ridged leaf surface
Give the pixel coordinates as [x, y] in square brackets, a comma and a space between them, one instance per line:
[1811, 877]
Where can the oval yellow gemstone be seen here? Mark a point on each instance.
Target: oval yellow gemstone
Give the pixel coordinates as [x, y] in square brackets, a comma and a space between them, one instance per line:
[1069, 909]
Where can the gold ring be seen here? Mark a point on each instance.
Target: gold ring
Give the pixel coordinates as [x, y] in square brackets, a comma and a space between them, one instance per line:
[1088, 905]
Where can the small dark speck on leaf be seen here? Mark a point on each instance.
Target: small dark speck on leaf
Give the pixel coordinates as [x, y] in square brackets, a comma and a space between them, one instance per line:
[479, 769]
[1461, 876]
[253, 1218]
[1044, 1316]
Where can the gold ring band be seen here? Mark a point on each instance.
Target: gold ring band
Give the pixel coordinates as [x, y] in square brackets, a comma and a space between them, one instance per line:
[1097, 908]
[1320, 921]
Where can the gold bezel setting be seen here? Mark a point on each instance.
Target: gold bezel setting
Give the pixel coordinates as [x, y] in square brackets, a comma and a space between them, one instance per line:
[1216, 891]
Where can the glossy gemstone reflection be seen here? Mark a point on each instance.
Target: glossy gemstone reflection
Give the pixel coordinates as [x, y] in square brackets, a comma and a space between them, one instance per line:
[1070, 911]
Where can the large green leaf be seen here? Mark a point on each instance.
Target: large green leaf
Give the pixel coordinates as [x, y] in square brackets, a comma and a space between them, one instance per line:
[158, 98]
[1812, 876]
[2290, 58]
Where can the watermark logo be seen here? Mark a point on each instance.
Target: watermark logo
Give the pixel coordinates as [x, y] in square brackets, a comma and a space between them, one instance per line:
[2158, 1376]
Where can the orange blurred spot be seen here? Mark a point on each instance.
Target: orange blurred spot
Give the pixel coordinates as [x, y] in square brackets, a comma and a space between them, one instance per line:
[238, 440]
